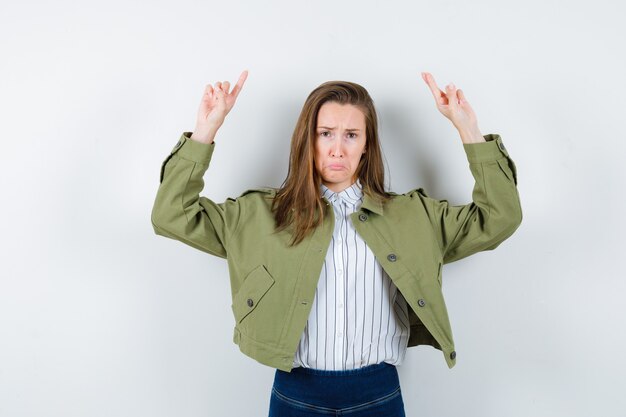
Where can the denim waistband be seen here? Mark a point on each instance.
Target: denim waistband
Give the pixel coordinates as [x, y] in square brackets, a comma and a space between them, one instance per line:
[338, 388]
[330, 372]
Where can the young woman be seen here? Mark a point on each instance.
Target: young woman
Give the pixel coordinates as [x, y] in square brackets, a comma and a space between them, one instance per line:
[333, 277]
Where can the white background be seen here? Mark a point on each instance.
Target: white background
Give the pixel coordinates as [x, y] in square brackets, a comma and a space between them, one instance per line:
[101, 317]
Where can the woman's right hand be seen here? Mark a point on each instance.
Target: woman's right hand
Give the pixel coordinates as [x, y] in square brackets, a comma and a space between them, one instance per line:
[216, 103]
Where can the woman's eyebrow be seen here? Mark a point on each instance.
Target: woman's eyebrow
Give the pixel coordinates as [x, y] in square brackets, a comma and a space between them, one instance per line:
[332, 128]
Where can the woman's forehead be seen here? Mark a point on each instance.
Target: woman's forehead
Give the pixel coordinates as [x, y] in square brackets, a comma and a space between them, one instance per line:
[334, 115]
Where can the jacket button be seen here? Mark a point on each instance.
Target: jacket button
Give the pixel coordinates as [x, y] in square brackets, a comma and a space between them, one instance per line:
[502, 146]
[362, 217]
[250, 302]
[452, 354]
[421, 302]
[392, 257]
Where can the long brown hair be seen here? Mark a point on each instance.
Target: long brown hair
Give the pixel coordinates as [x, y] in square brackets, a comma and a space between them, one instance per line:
[298, 202]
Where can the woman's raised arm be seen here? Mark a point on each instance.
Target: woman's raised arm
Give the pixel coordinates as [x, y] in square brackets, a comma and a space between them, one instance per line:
[179, 212]
[495, 211]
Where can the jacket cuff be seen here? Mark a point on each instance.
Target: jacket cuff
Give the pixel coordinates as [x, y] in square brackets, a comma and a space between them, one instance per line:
[491, 150]
[193, 150]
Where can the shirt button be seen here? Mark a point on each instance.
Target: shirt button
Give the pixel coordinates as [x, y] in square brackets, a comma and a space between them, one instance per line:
[339, 334]
[421, 302]
[250, 302]
[339, 271]
[340, 305]
[392, 257]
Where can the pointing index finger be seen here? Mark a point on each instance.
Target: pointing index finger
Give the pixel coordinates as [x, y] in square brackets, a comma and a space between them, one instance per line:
[240, 82]
[430, 80]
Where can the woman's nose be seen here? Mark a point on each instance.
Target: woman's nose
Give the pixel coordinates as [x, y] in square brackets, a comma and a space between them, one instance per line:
[336, 149]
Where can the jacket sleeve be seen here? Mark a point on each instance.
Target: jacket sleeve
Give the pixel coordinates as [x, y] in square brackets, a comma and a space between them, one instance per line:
[180, 213]
[495, 212]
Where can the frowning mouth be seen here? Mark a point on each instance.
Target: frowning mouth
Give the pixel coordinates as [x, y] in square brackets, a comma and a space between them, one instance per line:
[336, 166]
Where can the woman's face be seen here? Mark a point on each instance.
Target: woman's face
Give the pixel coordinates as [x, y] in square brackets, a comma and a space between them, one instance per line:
[339, 143]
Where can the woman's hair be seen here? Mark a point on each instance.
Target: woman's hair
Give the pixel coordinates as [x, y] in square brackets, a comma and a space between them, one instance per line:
[299, 200]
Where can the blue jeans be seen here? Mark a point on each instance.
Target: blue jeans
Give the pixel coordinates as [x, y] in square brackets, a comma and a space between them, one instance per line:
[372, 390]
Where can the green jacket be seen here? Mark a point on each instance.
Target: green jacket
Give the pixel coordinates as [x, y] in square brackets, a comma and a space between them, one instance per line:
[273, 286]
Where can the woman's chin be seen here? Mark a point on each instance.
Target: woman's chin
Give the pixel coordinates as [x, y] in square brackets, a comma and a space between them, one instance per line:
[337, 174]
[335, 178]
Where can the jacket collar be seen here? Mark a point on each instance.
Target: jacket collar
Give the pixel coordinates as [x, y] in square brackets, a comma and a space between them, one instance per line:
[372, 204]
[351, 195]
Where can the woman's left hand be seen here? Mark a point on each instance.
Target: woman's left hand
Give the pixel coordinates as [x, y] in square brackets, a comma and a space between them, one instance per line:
[453, 104]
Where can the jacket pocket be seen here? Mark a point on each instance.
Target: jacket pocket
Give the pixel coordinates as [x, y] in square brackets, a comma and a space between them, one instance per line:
[255, 285]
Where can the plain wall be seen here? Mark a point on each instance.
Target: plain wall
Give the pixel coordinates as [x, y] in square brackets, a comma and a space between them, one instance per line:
[101, 317]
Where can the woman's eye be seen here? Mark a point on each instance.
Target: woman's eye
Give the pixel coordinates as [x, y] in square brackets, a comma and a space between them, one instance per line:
[350, 134]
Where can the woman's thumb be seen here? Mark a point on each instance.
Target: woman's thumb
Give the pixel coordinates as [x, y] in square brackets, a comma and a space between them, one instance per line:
[221, 101]
[452, 97]
[462, 98]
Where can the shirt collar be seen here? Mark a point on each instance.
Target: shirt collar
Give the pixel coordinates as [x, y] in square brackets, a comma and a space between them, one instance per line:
[350, 195]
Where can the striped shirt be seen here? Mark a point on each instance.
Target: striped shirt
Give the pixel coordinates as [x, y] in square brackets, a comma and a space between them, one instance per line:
[358, 316]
